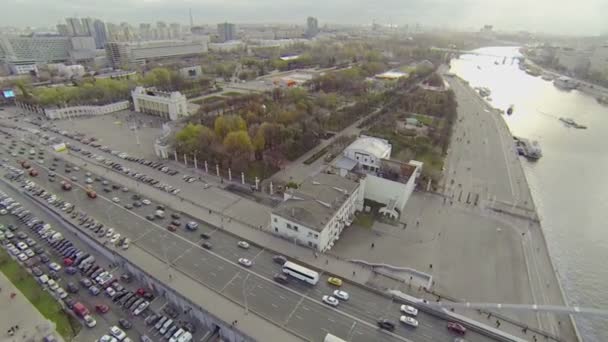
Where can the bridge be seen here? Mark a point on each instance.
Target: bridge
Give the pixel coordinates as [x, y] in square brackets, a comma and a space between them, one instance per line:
[464, 52]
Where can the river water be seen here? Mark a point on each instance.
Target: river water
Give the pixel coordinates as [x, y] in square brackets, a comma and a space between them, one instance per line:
[569, 183]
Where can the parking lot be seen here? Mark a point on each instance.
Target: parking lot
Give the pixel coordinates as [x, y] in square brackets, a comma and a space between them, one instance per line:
[104, 296]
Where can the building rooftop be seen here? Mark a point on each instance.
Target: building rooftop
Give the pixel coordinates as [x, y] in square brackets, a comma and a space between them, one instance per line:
[373, 146]
[397, 171]
[345, 163]
[317, 200]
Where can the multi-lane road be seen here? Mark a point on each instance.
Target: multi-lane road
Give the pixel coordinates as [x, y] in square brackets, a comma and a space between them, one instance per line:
[295, 307]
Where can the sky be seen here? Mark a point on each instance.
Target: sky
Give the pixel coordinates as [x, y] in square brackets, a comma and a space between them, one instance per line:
[581, 17]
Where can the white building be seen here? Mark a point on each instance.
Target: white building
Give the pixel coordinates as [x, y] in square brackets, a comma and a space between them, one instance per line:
[171, 106]
[368, 152]
[232, 45]
[316, 213]
[78, 111]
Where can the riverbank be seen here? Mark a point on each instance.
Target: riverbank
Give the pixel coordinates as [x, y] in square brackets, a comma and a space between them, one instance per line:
[588, 88]
[504, 180]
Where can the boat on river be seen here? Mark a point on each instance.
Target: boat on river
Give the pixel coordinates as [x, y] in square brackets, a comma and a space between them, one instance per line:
[510, 109]
[571, 123]
[527, 148]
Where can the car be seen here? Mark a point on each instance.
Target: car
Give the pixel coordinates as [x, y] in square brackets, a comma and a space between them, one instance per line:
[54, 266]
[334, 281]
[457, 328]
[125, 324]
[22, 256]
[410, 310]
[279, 259]
[146, 202]
[29, 253]
[330, 300]
[72, 288]
[207, 245]
[102, 308]
[192, 225]
[245, 262]
[280, 278]
[86, 282]
[205, 236]
[128, 206]
[137, 204]
[172, 228]
[89, 321]
[36, 271]
[115, 238]
[141, 307]
[61, 293]
[385, 324]
[71, 270]
[44, 258]
[94, 290]
[110, 292]
[52, 284]
[150, 217]
[175, 216]
[409, 321]
[243, 244]
[152, 319]
[342, 295]
[69, 302]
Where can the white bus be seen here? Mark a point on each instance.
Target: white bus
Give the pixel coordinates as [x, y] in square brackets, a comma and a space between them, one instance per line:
[332, 338]
[301, 273]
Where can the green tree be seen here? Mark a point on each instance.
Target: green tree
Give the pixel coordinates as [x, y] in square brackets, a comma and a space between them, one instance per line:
[225, 124]
[259, 143]
[238, 144]
[187, 140]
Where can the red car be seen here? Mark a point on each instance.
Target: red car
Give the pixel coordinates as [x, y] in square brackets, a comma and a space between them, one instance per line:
[457, 328]
[68, 261]
[101, 308]
[172, 228]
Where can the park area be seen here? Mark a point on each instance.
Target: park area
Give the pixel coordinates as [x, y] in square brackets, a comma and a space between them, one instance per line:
[67, 326]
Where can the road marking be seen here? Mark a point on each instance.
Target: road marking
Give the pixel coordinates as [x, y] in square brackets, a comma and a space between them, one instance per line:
[283, 298]
[260, 252]
[302, 295]
[299, 317]
[275, 306]
[230, 281]
[294, 310]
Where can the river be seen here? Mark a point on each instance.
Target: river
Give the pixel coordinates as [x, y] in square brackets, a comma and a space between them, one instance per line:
[567, 183]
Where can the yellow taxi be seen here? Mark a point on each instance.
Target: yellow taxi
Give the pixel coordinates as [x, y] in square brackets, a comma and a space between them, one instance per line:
[334, 281]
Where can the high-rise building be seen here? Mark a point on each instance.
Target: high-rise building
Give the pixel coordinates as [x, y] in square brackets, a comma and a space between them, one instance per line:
[312, 27]
[145, 31]
[100, 34]
[176, 30]
[88, 26]
[76, 26]
[64, 30]
[226, 31]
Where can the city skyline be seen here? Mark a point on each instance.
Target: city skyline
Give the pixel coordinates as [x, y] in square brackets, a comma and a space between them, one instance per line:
[581, 18]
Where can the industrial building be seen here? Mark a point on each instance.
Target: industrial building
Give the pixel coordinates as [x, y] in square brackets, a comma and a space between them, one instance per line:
[120, 53]
[167, 105]
[21, 53]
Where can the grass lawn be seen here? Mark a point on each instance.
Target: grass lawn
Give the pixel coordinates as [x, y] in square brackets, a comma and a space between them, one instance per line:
[66, 325]
[426, 120]
[365, 220]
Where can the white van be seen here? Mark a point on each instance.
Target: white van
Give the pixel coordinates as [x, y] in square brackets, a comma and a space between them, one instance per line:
[177, 334]
[186, 337]
[166, 326]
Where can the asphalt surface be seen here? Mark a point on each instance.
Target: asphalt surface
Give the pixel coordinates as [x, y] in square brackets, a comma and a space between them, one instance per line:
[296, 306]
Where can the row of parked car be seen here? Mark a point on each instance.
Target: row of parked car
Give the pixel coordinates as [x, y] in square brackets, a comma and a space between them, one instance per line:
[35, 258]
[92, 141]
[167, 327]
[95, 278]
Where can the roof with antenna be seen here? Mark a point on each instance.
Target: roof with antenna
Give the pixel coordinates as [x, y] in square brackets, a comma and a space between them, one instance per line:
[316, 201]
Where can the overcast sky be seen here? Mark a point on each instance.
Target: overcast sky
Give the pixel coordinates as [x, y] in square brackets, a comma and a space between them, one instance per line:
[555, 16]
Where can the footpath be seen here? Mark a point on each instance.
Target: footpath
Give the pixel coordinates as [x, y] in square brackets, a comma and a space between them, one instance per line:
[357, 273]
[16, 310]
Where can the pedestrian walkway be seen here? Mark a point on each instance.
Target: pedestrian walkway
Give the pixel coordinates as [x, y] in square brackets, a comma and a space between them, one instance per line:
[18, 313]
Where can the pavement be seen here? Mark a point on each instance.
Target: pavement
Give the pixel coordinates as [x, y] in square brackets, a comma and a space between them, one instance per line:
[483, 161]
[295, 307]
[19, 311]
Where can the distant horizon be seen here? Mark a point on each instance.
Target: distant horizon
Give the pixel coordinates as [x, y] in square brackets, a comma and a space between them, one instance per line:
[584, 17]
